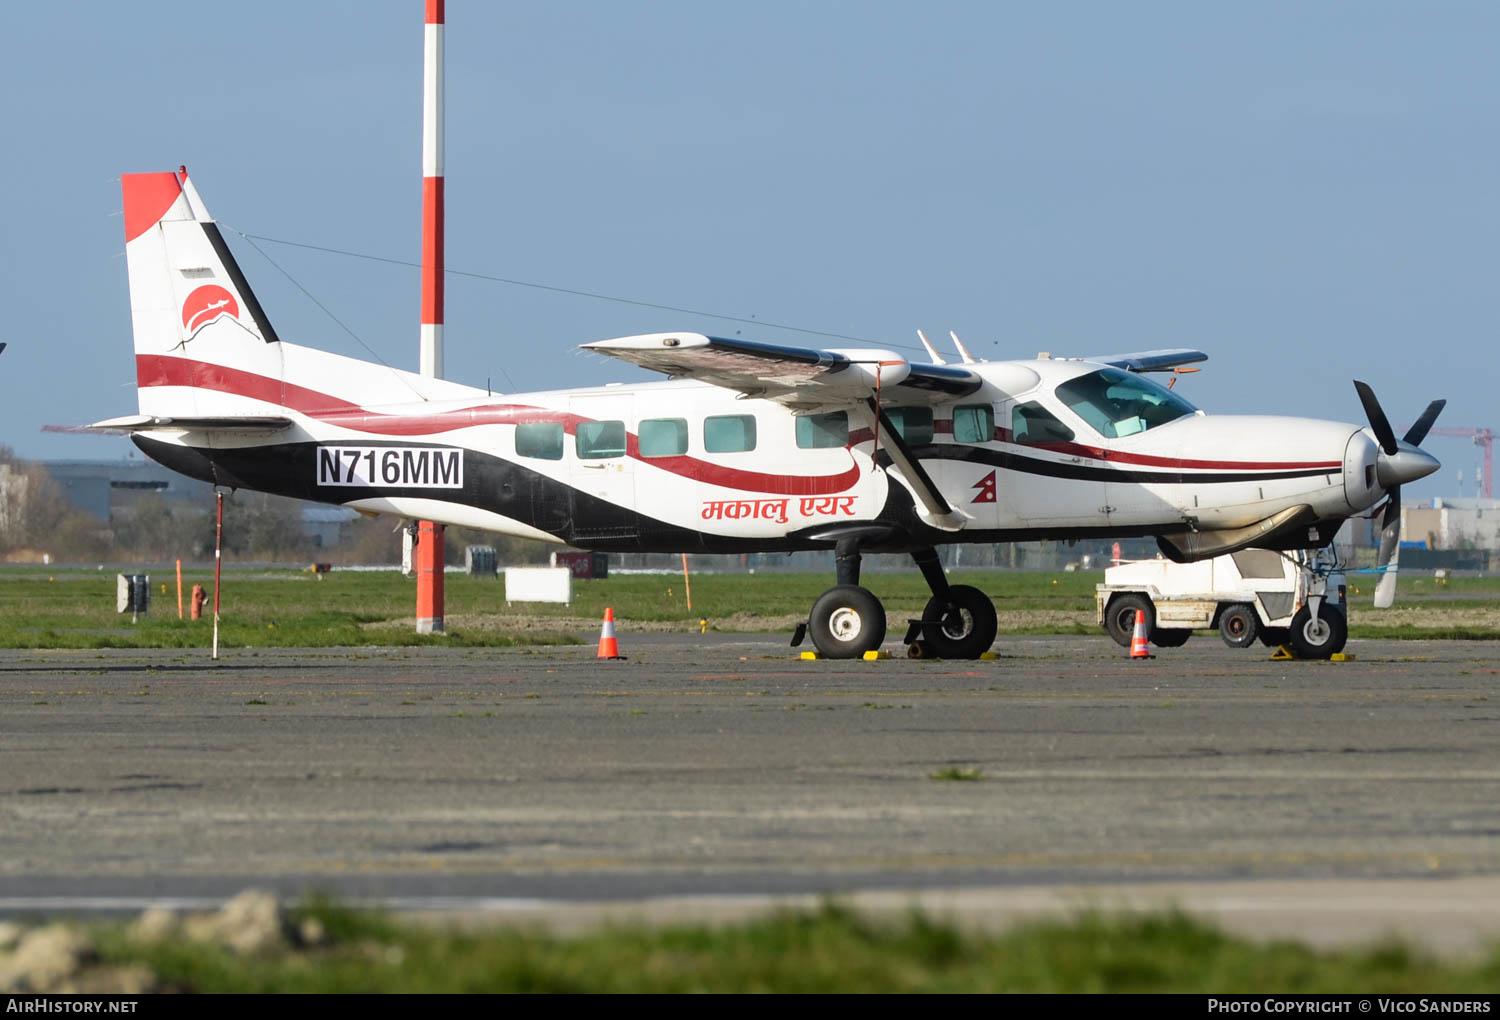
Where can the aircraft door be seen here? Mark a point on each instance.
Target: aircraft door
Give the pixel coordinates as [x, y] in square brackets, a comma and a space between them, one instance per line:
[974, 481]
[600, 468]
[1054, 484]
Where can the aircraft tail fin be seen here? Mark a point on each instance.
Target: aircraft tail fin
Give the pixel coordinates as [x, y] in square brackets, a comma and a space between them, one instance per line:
[190, 304]
[204, 347]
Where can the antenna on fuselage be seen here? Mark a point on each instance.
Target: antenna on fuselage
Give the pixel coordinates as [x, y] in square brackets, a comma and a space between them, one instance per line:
[937, 359]
[963, 351]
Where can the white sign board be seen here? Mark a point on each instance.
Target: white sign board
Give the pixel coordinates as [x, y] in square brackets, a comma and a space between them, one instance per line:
[539, 584]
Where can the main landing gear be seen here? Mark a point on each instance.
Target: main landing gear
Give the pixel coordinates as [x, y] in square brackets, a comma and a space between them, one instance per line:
[846, 621]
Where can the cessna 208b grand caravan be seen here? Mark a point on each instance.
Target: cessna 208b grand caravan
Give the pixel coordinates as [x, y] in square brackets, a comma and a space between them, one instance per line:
[746, 447]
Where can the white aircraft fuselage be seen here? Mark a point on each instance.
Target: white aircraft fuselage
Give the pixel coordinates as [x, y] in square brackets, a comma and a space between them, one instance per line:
[748, 447]
[580, 475]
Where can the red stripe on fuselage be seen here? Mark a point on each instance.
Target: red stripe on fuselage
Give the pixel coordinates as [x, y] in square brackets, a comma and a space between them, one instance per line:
[157, 370]
[1005, 435]
[944, 427]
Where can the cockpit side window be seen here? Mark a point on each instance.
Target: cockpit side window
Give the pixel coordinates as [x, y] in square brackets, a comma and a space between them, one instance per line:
[1031, 424]
[1116, 403]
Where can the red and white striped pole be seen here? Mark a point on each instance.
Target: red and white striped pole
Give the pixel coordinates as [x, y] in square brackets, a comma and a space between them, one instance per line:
[430, 560]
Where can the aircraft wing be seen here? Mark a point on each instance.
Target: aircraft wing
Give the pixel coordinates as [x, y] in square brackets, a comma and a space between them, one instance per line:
[802, 378]
[1147, 361]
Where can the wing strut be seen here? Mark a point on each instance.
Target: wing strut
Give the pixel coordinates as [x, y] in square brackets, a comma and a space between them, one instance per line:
[932, 508]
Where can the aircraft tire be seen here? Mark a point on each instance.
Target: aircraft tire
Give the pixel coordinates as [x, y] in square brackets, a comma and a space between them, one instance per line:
[846, 622]
[1238, 625]
[1320, 641]
[1119, 618]
[960, 625]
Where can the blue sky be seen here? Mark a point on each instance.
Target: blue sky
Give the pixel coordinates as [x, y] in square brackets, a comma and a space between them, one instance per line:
[1306, 191]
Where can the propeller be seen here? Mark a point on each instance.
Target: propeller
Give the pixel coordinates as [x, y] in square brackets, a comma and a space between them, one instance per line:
[1398, 462]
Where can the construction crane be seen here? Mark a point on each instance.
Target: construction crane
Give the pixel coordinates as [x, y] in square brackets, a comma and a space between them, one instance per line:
[1485, 440]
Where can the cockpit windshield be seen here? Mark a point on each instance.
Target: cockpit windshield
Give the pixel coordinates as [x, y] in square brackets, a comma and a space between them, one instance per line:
[1116, 403]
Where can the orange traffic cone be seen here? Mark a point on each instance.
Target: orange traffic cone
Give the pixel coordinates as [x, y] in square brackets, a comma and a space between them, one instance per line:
[609, 648]
[1138, 648]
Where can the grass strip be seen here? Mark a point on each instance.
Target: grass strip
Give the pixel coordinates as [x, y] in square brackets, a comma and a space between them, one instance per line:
[829, 950]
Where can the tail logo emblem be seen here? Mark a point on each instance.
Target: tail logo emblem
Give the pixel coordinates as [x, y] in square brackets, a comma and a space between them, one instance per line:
[205, 305]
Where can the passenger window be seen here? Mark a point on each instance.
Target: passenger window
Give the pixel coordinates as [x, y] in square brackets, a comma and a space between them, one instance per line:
[596, 440]
[974, 423]
[823, 431]
[540, 439]
[663, 437]
[1034, 425]
[913, 424]
[729, 433]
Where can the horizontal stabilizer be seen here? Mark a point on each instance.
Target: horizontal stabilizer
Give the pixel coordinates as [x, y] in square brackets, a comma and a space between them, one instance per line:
[150, 423]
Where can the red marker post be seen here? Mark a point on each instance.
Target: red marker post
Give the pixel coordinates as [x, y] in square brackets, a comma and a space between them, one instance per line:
[430, 560]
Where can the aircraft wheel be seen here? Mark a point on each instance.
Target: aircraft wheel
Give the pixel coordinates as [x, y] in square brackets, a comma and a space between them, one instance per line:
[961, 624]
[1322, 638]
[1119, 618]
[1169, 637]
[846, 622]
[1238, 625]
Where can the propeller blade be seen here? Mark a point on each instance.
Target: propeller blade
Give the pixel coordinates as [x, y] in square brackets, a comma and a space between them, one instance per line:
[1418, 432]
[1384, 434]
[1389, 559]
[1392, 513]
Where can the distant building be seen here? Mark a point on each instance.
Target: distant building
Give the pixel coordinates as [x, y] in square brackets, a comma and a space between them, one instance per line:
[1445, 523]
[102, 487]
[105, 488]
[328, 525]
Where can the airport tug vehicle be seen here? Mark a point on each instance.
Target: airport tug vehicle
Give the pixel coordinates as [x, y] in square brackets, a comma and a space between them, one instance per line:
[1296, 598]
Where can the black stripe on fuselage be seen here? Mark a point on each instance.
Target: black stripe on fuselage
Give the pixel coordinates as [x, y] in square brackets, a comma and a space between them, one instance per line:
[490, 483]
[1023, 464]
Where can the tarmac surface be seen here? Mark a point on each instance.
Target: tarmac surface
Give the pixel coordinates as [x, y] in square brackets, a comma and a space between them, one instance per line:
[708, 776]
